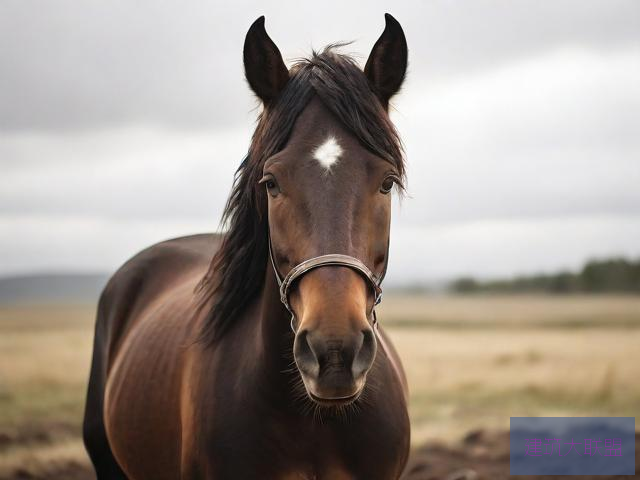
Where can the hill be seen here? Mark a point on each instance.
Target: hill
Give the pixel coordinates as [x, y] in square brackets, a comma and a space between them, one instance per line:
[614, 275]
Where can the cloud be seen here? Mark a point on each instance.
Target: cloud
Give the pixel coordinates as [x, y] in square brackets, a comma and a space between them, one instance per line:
[79, 65]
[543, 137]
[36, 243]
[122, 124]
[547, 136]
[125, 173]
[499, 248]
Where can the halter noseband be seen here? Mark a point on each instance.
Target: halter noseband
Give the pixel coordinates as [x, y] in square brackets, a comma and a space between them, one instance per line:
[332, 259]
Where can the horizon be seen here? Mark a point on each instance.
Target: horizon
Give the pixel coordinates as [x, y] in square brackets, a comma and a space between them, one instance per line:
[428, 284]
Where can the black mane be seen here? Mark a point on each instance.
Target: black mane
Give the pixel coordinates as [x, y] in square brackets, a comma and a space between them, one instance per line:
[235, 276]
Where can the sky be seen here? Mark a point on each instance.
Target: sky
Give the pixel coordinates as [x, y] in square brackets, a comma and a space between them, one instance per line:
[121, 124]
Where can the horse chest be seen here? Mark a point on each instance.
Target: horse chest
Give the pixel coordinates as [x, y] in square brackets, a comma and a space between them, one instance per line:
[270, 447]
[329, 473]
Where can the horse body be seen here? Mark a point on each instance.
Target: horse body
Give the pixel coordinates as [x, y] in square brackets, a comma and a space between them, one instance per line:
[206, 369]
[160, 377]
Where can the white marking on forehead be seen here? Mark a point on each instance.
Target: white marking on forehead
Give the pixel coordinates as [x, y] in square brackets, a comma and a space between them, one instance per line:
[328, 153]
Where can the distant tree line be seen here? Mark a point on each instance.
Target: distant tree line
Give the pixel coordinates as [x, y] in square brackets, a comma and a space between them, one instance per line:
[615, 275]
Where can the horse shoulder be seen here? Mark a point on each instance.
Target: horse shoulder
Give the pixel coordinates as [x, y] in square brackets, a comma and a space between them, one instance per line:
[140, 281]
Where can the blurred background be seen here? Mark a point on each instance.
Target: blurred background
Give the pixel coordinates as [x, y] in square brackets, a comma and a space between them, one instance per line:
[514, 276]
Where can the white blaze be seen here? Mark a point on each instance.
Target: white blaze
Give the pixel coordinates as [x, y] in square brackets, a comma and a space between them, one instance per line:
[328, 153]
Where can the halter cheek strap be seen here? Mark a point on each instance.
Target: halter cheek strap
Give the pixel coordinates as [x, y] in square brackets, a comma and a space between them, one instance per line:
[333, 259]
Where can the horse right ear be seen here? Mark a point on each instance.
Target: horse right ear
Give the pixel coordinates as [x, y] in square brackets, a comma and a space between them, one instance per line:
[387, 63]
[263, 65]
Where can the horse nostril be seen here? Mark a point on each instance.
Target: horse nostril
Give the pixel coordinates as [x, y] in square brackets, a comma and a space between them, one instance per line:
[304, 354]
[364, 356]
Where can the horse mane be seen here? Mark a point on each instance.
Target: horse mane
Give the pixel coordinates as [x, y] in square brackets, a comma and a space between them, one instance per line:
[236, 273]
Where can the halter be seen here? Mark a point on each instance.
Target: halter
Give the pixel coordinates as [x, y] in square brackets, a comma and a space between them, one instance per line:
[332, 259]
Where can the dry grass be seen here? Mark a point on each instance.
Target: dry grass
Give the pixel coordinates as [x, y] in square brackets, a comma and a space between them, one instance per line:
[477, 379]
[44, 363]
[514, 311]
[472, 362]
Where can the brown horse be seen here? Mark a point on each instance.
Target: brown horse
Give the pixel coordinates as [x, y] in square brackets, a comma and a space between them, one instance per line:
[196, 371]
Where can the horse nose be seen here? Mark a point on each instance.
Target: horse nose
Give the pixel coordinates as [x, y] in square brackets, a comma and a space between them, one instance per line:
[335, 366]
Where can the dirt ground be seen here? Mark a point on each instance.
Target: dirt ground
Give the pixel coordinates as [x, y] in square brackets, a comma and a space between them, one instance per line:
[479, 456]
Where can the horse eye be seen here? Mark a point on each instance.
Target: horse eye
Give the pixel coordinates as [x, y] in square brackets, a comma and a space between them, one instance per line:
[271, 185]
[387, 185]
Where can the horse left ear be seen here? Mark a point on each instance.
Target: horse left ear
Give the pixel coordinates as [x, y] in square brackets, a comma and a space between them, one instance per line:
[263, 65]
[387, 63]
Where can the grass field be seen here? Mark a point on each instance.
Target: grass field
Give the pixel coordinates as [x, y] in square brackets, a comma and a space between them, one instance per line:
[472, 362]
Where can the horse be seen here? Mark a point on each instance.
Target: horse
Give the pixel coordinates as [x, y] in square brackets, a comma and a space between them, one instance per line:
[256, 353]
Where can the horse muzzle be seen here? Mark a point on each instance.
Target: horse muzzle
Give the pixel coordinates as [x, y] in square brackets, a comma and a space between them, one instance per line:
[334, 369]
[333, 363]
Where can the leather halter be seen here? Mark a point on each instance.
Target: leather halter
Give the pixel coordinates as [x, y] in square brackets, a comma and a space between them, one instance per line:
[332, 259]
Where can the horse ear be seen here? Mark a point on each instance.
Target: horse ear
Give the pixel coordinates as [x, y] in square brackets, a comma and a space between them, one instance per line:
[387, 63]
[263, 65]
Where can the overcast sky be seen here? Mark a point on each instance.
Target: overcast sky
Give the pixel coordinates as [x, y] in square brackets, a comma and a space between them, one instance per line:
[121, 124]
